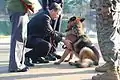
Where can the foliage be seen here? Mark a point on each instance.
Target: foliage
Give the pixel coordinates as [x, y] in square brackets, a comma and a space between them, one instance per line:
[76, 7]
[79, 8]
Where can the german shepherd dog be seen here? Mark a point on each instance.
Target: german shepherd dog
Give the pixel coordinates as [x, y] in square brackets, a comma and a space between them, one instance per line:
[82, 47]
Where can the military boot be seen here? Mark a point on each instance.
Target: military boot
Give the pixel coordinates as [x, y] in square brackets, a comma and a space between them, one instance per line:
[104, 67]
[111, 74]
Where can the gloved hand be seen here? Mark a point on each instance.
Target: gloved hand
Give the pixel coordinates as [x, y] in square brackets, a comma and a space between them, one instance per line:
[60, 34]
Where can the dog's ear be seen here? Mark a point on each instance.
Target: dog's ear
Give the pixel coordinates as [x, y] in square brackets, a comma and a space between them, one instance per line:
[72, 19]
[82, 19]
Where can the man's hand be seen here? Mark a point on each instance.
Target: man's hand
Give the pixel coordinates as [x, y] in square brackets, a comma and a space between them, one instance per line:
[68, 44]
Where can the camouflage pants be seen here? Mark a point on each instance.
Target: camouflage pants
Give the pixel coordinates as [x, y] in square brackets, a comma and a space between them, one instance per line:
[109, 38]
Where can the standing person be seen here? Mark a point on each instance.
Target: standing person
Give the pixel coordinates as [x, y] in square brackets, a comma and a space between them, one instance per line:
[108, 30]
[19, 19]
[39, 27]
[55, 25]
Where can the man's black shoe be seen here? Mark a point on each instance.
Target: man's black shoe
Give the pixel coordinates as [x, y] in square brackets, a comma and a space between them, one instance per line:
[27, 62]
[34, 61]
[41, 60]
[56, 55]
[50, 57]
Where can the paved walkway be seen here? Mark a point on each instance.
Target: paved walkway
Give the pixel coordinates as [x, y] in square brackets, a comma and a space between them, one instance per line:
[42, 71]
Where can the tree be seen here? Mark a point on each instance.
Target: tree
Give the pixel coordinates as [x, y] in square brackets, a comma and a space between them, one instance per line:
[79, 8]
[75, 6]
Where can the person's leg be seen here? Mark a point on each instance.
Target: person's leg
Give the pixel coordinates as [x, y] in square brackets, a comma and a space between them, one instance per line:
[34, 57]
[28, 56]
[107, 47]
[17, 42]
[42, 60]
[50, 56]
[42, 48]
[109, 75]
[25, 21]
[109, 39]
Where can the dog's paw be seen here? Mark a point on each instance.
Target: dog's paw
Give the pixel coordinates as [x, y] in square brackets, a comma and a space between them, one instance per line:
[66, 60]
[72, 63]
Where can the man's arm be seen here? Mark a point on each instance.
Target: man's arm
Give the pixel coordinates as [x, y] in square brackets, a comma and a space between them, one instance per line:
[47, 25]
[50, 32]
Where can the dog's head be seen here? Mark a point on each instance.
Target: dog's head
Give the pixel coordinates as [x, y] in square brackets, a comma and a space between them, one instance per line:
[74, 18]
[73, 21]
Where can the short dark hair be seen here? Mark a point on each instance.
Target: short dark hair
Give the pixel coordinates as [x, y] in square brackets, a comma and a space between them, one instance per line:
[55, 6]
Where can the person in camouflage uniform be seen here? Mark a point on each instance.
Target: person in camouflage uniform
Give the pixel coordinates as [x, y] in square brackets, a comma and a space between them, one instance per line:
[108, 31]
[82, 46]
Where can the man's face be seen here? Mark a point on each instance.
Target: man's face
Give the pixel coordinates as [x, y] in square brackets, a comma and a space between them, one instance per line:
[55, 14]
